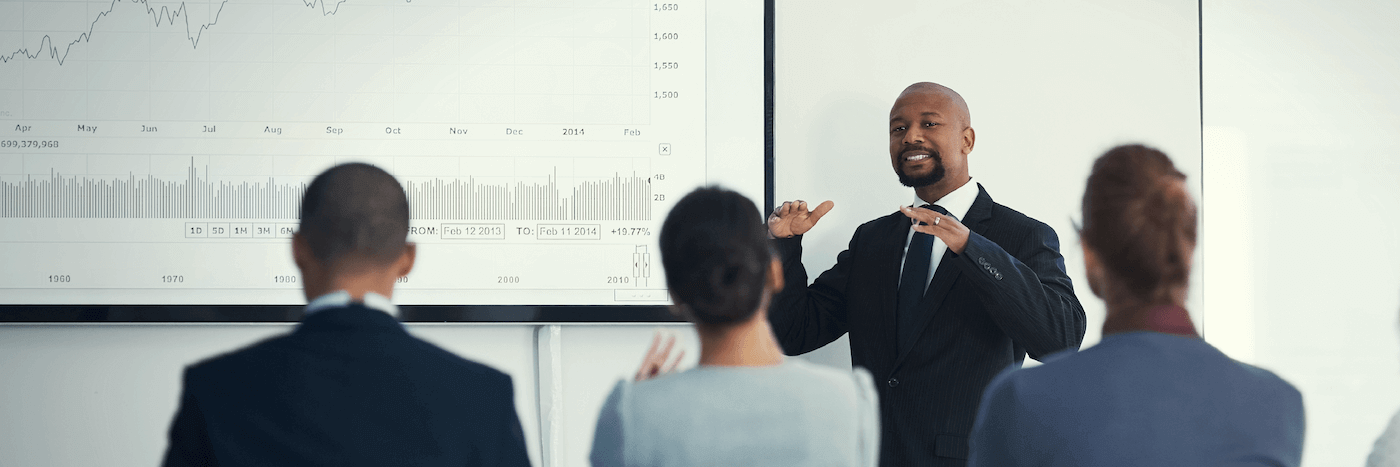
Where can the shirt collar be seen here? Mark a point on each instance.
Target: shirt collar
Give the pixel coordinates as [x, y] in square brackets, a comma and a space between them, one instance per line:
[341, 298]
[957, 202]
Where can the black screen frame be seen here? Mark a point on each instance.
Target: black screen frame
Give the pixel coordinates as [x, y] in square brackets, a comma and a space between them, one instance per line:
[408, 313]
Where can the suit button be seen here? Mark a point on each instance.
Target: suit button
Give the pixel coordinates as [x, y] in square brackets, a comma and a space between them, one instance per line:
[893, 382]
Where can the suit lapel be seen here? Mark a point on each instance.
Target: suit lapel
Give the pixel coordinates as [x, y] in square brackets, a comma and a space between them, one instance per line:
[891, 255]
[948, 273]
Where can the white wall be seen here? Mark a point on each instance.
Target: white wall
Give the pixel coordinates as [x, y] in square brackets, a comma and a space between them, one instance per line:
[98, 394]
[104, 394]
[1301, 149]
[1050, 85]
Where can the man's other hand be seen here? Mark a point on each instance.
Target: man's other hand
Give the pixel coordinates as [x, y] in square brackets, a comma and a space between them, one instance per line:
[945, 227]
[793, 218]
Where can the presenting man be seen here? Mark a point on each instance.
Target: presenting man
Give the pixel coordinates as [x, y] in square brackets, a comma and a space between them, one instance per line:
[938, 297]
[349, 386]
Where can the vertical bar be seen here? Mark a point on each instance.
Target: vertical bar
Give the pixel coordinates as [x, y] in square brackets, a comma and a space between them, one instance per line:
[549, 391]
[768, 75]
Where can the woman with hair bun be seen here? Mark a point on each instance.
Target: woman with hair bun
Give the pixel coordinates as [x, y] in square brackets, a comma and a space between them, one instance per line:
[1151, 392]
[745, 404]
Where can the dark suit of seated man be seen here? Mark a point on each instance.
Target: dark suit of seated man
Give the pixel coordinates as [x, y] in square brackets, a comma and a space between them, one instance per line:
[349, 386]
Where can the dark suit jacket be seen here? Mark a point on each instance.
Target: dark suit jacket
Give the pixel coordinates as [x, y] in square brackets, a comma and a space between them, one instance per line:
[1005, 296]
[348, 387]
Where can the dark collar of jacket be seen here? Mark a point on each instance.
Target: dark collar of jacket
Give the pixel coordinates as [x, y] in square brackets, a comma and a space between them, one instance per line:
[1166, 319]
[945, 274]
[897, 230]
[980, 211]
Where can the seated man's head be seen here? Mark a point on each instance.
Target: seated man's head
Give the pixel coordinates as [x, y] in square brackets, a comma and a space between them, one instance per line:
[354, 231]
[1139, 228]
[719, 267]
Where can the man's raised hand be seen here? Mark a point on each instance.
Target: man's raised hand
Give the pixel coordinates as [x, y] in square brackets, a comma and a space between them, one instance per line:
[793, 218]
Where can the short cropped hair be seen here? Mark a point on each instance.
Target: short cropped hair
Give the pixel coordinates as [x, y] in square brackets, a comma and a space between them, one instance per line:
[354, 211]
[714, 248]
[1140, 221]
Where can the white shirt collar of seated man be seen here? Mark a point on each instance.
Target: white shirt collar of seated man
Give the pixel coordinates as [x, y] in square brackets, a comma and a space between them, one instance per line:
[341, 299]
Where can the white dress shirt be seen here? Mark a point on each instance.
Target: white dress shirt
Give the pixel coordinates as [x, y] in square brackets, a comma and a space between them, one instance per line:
[958, 202]
[341, 298]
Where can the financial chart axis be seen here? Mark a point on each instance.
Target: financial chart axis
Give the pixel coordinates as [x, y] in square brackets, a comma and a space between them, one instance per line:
[58, 51]
[620, 197]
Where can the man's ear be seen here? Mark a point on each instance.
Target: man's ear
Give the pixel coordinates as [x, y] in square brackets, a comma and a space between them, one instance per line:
[969, 140]
[775, 275]
[404, 264]
[301, 252]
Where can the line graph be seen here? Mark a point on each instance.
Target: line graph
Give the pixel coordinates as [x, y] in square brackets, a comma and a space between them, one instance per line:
[47, 44]
[194, 33]
[443, 61]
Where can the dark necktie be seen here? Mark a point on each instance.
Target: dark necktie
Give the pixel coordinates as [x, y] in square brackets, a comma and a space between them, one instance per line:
[912, 284]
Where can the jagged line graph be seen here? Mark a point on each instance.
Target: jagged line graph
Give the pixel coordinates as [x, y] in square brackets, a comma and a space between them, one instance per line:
[590, 81]
[165, 14]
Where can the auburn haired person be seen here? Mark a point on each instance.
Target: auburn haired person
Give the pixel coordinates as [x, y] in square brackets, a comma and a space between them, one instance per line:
[1152, 392]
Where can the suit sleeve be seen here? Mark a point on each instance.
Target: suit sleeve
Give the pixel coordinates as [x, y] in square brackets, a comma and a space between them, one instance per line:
[607, 437]
[1001, 435]
[510, 449]
[189, 436]
[1291, 422]
[807, 317]
[1029, 295]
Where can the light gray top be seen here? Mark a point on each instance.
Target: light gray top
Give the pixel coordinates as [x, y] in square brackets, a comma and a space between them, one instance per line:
[1386, 453]
[795, 413]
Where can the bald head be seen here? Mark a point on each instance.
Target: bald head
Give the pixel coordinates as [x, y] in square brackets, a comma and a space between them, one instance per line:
[957, 104]
[354, 212]
[930, 137]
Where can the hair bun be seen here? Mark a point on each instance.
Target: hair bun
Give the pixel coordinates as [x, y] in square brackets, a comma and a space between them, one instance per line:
[714, 248]
[1140, 220]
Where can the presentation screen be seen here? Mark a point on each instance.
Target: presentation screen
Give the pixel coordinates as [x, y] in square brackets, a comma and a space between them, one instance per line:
[155, 152]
